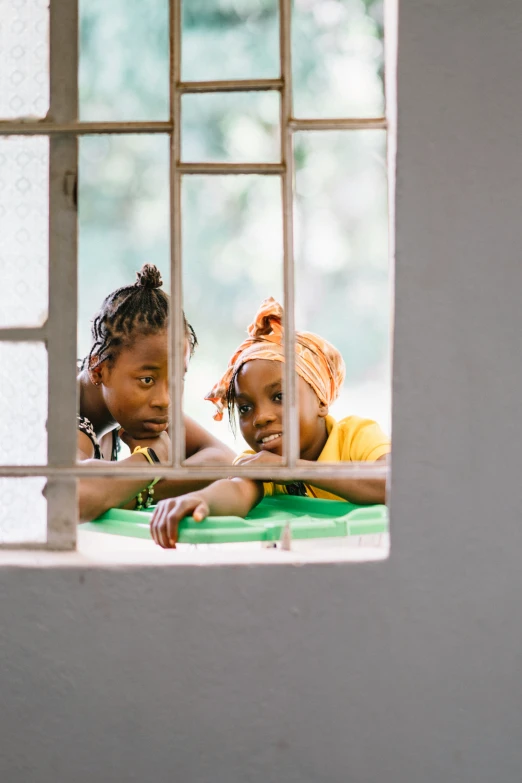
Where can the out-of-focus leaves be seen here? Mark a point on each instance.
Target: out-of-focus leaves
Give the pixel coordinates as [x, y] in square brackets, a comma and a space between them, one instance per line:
[232, 225]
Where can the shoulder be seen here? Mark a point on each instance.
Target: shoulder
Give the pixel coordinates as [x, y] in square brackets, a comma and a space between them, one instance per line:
[85, 425]
[356, 424]
[88, 445]
[362, 439]
[110, 445]
[84, 447]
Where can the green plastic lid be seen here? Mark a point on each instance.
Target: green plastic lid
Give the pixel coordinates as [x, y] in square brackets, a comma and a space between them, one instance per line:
[307, 518]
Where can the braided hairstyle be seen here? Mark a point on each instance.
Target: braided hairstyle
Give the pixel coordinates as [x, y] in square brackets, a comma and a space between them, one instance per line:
[141, 308]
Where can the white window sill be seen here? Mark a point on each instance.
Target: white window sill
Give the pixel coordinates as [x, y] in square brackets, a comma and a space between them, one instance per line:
[98, 549]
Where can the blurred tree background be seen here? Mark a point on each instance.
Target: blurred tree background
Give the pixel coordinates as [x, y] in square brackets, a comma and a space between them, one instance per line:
[232, 232]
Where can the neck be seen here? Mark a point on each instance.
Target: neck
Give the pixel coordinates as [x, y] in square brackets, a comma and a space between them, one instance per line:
[92, 405]
[314, 449]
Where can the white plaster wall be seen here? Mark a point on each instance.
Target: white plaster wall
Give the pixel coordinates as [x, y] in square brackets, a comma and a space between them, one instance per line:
[407, 671]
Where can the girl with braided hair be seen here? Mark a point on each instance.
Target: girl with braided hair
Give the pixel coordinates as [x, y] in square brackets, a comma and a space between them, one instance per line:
[252, 387]
[125, 392]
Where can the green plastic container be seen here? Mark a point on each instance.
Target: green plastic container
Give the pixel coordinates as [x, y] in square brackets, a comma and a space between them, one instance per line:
[307, 518]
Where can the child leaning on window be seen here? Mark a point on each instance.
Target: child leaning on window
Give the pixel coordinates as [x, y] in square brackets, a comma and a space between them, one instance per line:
[124, 386]
[252, 386]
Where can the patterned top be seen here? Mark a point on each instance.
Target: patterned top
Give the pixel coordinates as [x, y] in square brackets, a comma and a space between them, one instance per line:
[85, 425]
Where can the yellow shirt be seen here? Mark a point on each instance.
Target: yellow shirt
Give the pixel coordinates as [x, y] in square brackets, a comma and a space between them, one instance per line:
[350, 440]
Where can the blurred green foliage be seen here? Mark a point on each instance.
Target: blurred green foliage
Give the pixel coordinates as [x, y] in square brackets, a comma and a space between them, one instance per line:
[232, 232]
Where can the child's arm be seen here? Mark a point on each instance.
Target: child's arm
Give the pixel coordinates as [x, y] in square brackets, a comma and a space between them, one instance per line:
[360, 491]
[97, 495]
[363, 492]
[202, 448]
[227, 497]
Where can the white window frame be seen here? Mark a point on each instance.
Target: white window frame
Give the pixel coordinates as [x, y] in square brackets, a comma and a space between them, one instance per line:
[59, 332]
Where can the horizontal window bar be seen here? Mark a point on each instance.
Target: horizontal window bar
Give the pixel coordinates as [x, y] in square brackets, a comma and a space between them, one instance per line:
[231, 168]
[211, 473]
[231, 85]
[47, 127]
[341, 123]
[20, 334]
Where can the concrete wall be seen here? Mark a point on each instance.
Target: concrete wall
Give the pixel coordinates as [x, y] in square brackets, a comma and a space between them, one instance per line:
[407, 671]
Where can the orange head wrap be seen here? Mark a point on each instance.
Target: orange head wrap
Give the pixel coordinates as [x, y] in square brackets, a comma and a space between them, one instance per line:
[317, 361]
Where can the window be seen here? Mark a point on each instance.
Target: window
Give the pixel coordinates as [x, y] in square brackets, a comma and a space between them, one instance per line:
[41, 127]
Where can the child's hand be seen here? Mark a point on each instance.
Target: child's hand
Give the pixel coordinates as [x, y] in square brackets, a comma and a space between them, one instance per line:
[267, 458]
[261, 458]
[160, 443]
[168, 514]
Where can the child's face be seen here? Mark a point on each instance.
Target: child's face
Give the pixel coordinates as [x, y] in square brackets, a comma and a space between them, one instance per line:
[136, 386]
[258, 391]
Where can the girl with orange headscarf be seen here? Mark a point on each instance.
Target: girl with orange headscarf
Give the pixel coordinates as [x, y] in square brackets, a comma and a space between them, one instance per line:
[252, 387]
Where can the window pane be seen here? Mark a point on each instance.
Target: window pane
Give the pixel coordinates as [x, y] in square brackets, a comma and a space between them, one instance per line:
[231, 127]
[124, 60]
[337, 58]
[24, 58]
[232, 253]
[230, 39]
[341, 240]
[23, 399]
[123, 209]
[24, 245]
[23, 511]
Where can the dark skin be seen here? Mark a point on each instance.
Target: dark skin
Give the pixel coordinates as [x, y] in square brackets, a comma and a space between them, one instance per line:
[258, 397]
[132, 392]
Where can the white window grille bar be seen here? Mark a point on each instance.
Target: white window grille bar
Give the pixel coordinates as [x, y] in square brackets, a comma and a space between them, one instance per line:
[290, 411]
[266, 473]
[62, 321]
[46, 127]
[177, 335]
[231, 85]
[231, 168]
[338, 123]
[22, 334]
[50, 128]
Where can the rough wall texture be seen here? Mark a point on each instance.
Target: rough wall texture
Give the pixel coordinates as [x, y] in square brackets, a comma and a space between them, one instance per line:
[403, 671]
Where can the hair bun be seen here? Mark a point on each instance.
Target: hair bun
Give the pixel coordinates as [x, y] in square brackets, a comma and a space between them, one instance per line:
[149, 276]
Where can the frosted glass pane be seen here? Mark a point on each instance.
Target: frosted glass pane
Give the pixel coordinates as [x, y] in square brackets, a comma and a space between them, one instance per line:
[24, 232]
[24, 58]
[231, 127]
[338, 58]
[23, 511]
[23, 401]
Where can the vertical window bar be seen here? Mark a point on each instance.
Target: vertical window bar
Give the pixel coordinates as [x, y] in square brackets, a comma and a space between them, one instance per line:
[62, 323]
[290, 418]
[177, 341]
